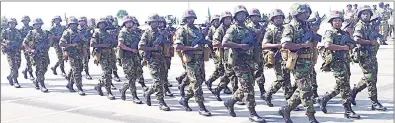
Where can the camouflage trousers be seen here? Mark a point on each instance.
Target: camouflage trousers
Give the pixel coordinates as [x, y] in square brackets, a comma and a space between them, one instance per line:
[106, 64]
[258, 74]
[28, 62]
[76, 63]
[59, 54]
[195, 74]
[86, 61]
[369, 68]
[313, 75]
[283, 80]
[341, 71]
[384, 29]
[183, 75]
[229, 76]
[166, 70]
[303, 94]
[14, 61]
[156, 67]
[114, 64]
[246, 79]
[141, 77]
[131, 67]
[41, 62]
[219, 68]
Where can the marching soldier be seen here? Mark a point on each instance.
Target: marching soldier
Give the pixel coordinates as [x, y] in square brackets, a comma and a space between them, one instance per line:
[273, 59]
[57, 31]
[384, 27]
[11, 40]
[240, 56]
[193, 60]
[103, 53]
[114, 31]
[37, 43]
[167, 35]
[86, 31]
[367, 58]
[338, 43]
[24, 30]
[299, 63]
[73, 41]
[140, 32]
[128, 40]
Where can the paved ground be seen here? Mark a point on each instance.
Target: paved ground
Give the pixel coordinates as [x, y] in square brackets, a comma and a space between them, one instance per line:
[27, 105]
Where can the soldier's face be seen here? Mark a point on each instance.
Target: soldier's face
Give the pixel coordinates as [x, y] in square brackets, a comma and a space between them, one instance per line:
[349, 7]
[255, 18]
[227, 21]
[134, 26]
[129, 24]
[161, 25]
[337, 23]
[25, 22]
[190, 20]
[73, 26]
[37, 26]
[216, 23]
[278, 20]
[241, 16]
[154, 24]
[57, 21]
[365, 16]
[102, 25]
[302, 16]
[82, 23]
[12, 25]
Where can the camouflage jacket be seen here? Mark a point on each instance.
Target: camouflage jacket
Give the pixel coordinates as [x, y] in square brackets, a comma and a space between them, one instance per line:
[363, 31]
[128, 38]
[87, 32]
[68, 37]
[36, 37]
[102, 37]
[148, 38]
[219, 34]
[210, 33]
[11, 36]
[335, 36]
[57, 31]
[25, 29]
[383, 13]
[236, 34]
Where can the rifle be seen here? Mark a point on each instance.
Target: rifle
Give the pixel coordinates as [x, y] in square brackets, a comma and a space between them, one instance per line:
[10, 47]
[43, 46]
[198, 40]
[74, 40]
[159, 41]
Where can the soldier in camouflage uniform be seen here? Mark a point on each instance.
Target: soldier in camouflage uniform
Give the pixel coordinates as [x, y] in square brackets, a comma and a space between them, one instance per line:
[194, 62]
[301, 63]
[219, 52]
[167, 34]
[57, 31]
[140, 32]
[4, 23]
[241, 57]
[103, 44]
[154, 55]
[37, 43]
[73, 41]
[272, 45]
[114, 31]
[11, 41]
[83, 27]
[338, 43]
[128, 40]
[92, 23]
[384, 27]
[254, 16]
[24, 30]
[368, 47]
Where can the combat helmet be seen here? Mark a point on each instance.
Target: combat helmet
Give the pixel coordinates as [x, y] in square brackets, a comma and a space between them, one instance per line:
[134, 19]
[153, 18]
[25, 18]
[13, 20]
[102, 20]
[297, 8]
[224, 15]
[254, 11]
[57, 17]
[73, 20]
[83, 19]
[336, 14]
[239, 8]
[365, 8]
[216, 17]
[189, 13]
[38, 21]
[276, 12]
[127, 19]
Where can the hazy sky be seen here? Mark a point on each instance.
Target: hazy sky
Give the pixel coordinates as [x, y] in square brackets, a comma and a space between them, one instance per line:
[47, 10]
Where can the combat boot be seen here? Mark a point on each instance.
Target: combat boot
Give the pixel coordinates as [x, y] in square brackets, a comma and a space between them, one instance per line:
[209, 84]
[31, 75]
[383, 43]
[348, 112]
[110, 96]
[163, 106]
[353, 95]
[179, 80]
[62, 70]
[42, 87]
[376, 105]
[70, 85]
[254, 116]
[229, 104]
[262, 90]
[16, 83]
[227, 90]
[217, 92]
[285, 112]
[141, 81]
[202, 109]
[312, 118]
[268, 99]
[98, 88]
[315, 94]
[54, 70]
[10, 81]
[323, 101]
[113, 87]
[116, 77]
[184, 103]
[135, 98]
[80, 91]
[123, 92]
[36, 85]
[167, 91]
[24, 72]
[181, 87]
[87, 75]
[147, 96]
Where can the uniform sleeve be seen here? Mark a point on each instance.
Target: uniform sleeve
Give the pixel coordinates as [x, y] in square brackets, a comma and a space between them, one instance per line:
[327, 38]
[358, 31]
[287, 34]
[144, 39]
[19, 36]
[121, 37]
[179, 37]
[28, 38]
[230, 33]
[268, 38]
[217, 37]
[65, 37]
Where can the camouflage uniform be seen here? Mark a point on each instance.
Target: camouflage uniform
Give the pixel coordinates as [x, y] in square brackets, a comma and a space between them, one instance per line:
[103, 56]
[11, 38]
[367, 61]
[39, 39]
[57, 31]
[273, 36]
[130, 61]
[87, 32]
[221, 53]
[167, 34]
[74, 55]
[258, 61]
[219, 68]
[24, 30]
[243, 66]
[194, 64]
[293, 33]
[384, 26]
[339, 64]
